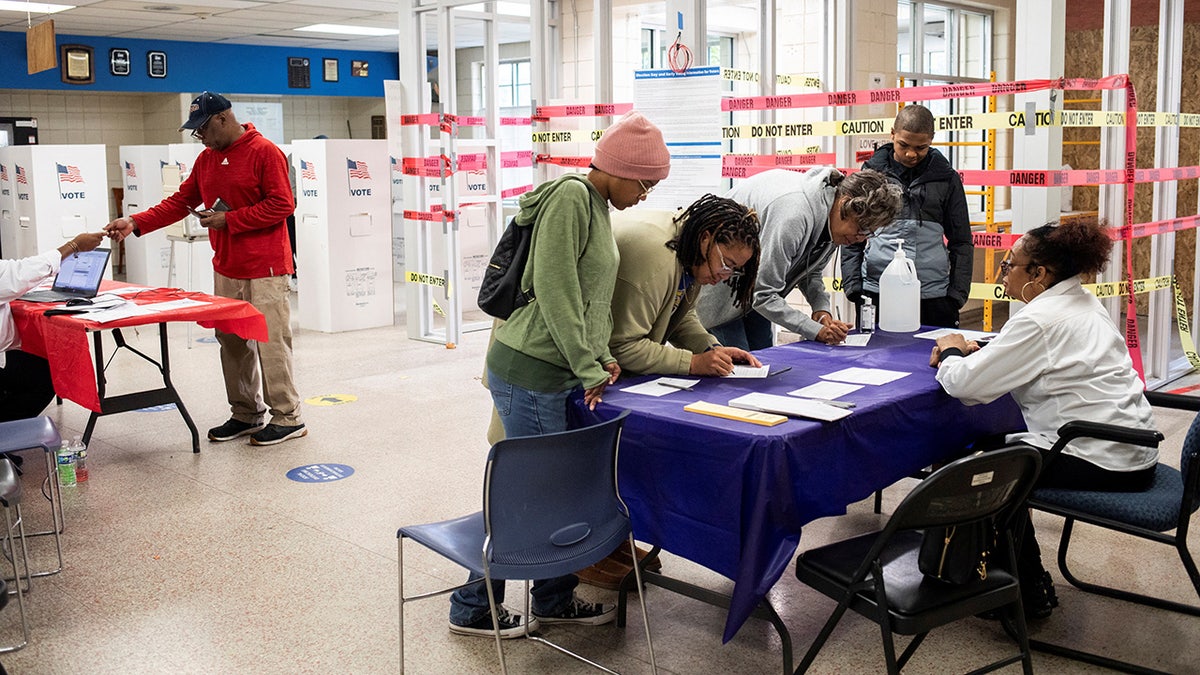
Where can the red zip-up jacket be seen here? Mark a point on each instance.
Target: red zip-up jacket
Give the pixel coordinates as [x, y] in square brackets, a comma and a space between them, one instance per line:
[251, 176]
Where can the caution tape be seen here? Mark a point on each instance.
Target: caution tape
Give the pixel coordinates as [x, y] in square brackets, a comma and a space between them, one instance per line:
[1005, 241]
[513, 192]
[1110, 289]
[1185, 326]
[797, 80]
[567, 136]
[1072, 177]
[426, 279]
[544, 112]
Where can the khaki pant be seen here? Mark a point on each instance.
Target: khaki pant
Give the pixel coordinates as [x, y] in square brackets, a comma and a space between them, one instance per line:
[258, 371]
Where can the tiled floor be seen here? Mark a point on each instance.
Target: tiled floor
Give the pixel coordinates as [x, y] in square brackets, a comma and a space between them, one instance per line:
[218, 563]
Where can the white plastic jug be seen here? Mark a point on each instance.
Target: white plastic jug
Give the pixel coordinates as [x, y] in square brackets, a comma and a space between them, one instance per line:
[899, 294]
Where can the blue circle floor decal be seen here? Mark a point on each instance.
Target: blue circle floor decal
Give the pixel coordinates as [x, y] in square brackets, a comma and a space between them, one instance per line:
[320, 473]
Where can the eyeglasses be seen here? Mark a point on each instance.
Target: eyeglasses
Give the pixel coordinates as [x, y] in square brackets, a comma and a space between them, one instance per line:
[200, 129]
[646, 190]
[1007, 265]
[726, 269]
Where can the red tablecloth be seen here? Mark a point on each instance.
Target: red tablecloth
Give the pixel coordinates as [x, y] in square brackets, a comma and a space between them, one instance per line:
[63, 339]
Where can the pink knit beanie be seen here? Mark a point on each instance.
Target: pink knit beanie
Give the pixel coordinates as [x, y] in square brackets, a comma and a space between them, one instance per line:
[633, 148]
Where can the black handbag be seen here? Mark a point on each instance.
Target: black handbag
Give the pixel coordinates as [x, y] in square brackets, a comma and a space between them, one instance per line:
[958, 554]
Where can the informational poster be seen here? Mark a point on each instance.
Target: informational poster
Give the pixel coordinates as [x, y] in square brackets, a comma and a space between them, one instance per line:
[267, 118]
[687, 108]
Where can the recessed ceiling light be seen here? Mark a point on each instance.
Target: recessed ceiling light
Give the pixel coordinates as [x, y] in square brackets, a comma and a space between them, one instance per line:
[32, 7]
[347, 30]
[161, 8]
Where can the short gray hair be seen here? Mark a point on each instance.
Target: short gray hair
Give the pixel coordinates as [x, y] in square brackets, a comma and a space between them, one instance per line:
[870, 198]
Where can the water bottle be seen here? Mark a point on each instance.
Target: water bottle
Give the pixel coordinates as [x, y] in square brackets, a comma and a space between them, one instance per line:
[66, 465]
[899, 294]
[80, 450]
[866, 317]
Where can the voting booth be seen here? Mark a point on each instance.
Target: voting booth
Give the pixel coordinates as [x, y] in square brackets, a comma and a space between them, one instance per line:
[343, 234]
[147, 256]
[58, 191]
[8, 214]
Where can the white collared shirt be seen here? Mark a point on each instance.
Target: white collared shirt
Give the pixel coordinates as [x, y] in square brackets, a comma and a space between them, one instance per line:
[1062, 359]
[17, 277]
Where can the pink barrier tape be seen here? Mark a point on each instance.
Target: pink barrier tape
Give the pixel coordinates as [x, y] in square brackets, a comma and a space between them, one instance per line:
[513, 192]
[436, 119]
[772, 161]
[431, 216]
[1074, 176]
[582, 162]
[436, 167]
[544, 112]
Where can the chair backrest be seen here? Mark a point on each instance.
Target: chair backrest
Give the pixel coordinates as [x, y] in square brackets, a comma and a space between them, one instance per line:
[557, 488]
[989, 484]
[1189, 466]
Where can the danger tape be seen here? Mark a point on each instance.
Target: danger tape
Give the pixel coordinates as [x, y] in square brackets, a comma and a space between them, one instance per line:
[587, 110]
[426, 279]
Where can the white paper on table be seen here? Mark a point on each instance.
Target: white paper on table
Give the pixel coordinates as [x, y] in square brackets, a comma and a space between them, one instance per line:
[114, 313]
[169, 305]
[740, 370]
[829, 390]
[127, 290]
[865, 375]
[100, 303]
[661, 386]
[855, 340]
[968, 334]
[792, 407]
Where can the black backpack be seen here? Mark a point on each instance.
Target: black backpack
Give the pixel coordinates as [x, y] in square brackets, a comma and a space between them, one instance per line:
[500, 293]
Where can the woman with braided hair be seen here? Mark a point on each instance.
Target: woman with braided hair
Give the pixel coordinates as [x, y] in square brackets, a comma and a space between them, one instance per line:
[666, 257]
[804, 218]
[1062, 359]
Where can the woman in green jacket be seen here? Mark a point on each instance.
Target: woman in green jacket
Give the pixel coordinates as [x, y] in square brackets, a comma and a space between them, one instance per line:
[558, 343]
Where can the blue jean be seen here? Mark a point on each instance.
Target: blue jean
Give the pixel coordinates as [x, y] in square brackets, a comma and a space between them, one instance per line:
[524, 413]
[751, 332]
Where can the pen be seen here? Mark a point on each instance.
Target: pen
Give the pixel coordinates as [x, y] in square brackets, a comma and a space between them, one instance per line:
[837, 404]
[675, 386]
[780, 371]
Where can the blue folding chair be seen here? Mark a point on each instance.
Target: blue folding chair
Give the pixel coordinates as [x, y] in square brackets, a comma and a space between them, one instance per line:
[550, 507]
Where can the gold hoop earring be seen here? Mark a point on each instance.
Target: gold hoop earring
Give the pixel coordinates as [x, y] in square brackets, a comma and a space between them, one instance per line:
[1027, 286]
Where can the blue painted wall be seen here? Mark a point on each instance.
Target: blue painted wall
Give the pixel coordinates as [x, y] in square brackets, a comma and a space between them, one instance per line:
[195, 66]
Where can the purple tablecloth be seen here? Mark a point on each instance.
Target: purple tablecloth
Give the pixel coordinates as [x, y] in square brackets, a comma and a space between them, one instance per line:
[733, 496]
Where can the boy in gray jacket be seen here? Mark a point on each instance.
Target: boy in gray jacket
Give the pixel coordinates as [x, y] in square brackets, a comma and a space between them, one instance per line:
[934, 224]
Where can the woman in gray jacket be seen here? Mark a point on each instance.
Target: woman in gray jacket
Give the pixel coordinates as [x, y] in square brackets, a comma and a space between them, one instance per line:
[804, 217]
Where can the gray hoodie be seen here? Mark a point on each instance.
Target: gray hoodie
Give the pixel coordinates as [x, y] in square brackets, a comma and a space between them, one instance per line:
[793, 210]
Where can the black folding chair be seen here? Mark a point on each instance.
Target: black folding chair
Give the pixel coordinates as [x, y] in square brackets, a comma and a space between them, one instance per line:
[876, 574]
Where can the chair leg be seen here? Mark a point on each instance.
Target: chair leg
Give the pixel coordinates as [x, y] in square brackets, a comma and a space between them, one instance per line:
[487, 580]
[1129, 596]
[910, 650]
[637, 571]
[400, 580]
[885, 626]
[12, 547]
[878, 502]
[826, 631]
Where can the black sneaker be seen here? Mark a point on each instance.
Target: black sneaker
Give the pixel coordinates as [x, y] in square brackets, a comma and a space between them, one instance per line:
[277, 433]
[578, 611]
[510, 625]
[1038, 596]
[233, 429]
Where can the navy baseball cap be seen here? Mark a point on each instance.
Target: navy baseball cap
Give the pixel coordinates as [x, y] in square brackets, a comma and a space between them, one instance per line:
[203, 107]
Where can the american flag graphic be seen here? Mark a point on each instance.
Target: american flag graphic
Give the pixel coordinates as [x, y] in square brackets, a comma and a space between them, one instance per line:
[130, 171]
[21, 175]
[308, 170]
[68, 174]
[3, 172]
[358, 169]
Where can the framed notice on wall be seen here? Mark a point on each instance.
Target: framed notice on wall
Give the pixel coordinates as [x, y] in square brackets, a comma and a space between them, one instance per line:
[297, 72]
[75, 62]
[331, 70]
[118, 61]
[156, 64]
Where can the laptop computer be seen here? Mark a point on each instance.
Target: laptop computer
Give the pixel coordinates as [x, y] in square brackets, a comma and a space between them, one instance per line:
[79, 277]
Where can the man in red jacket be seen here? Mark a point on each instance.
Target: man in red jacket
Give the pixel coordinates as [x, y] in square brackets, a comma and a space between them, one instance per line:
[243, 179]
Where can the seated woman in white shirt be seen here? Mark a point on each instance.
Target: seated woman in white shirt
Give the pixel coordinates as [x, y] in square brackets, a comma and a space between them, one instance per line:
[1062, 359]
[25, 388]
